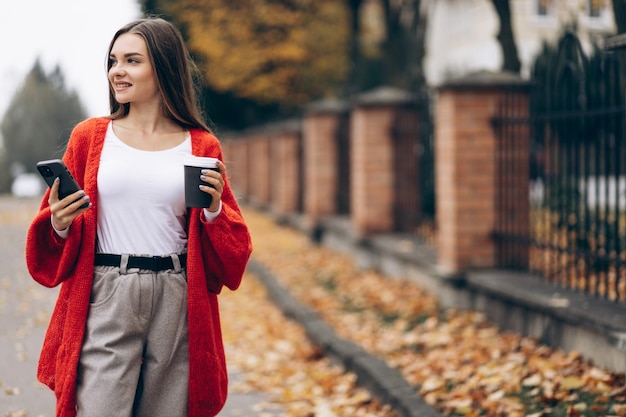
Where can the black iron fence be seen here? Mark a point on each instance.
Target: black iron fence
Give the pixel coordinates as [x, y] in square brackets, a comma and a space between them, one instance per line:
[414, 201]
[427, 227]
[574, 174]
[342, 135]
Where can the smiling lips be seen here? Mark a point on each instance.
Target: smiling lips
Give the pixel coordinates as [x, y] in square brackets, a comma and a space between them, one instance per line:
[122, 85]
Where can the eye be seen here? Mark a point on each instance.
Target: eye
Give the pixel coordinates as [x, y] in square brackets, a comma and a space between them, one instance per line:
[133, 61]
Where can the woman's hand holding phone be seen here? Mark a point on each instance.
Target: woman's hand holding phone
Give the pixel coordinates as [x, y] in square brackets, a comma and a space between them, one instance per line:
[65, 210]
[66, 199]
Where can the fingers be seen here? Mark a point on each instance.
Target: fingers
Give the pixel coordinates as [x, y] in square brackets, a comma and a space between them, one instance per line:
[64, 211]
[221, 167]
[54, 192]
[214, 180]
[214, 183]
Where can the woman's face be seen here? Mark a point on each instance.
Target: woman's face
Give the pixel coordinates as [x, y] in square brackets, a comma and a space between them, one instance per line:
[130, 70]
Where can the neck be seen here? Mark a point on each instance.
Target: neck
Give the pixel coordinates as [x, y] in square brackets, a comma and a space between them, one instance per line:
[148, 121]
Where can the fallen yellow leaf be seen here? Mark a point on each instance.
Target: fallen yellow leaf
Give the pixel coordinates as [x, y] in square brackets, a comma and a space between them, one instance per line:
[572, 383]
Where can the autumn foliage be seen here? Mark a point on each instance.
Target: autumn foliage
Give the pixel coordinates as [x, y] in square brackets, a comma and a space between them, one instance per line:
[267, 51]
[460, 363]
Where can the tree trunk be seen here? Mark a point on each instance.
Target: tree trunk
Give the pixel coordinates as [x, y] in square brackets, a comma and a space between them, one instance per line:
[395, 46]
[510, 58]
[354, 7]
[419, 25]
[619, 11]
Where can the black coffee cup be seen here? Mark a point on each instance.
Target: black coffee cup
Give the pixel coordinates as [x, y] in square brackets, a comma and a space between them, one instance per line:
[194, 196]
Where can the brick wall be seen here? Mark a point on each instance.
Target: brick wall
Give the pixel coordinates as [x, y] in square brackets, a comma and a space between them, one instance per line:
[285, 172]
[371, 169]
[260, 170]
[372, 128]
[236, 160]
[291, 174]
[465, 152]
[321, 161]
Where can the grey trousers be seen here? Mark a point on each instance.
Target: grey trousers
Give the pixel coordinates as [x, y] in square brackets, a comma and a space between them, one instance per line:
[135, 361]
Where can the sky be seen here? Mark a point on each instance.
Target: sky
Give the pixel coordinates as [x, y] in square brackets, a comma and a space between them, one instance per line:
[73, 34]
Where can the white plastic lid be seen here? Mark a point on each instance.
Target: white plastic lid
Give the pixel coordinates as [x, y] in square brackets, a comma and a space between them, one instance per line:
[200, 161]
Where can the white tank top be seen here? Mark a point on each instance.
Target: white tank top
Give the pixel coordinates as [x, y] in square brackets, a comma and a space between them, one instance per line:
[141, 199]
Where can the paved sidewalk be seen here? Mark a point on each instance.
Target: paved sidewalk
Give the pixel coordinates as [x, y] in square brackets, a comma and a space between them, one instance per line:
[245, 404]
[25, 309]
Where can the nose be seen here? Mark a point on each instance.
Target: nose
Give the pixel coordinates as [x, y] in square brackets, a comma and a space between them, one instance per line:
[116, 70]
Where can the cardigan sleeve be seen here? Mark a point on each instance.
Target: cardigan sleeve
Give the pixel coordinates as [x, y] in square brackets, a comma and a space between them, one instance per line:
[225, 241]
[51, 259]
[227, 245]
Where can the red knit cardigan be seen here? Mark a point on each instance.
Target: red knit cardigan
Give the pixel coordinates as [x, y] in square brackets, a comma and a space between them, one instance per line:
[217, 255]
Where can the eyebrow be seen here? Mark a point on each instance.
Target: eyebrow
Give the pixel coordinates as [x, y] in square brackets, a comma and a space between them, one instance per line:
[129, 54]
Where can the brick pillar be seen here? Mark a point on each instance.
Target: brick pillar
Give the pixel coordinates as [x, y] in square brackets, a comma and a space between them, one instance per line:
[372, 158]
[235, 152]
[465, 164]
[322, 125]
[286, 163]
[259, 172]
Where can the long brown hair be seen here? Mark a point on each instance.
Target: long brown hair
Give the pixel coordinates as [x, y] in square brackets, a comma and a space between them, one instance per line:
[173, 68]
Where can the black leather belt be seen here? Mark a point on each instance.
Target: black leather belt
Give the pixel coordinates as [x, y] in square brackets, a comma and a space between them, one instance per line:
[153, 263]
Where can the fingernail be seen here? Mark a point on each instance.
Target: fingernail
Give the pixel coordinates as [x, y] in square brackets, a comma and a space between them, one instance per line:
[202, 177]
[57, 179]
[202, 187]
[204, 171]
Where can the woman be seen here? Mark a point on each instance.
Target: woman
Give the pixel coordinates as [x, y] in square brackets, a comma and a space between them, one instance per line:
[135, 330]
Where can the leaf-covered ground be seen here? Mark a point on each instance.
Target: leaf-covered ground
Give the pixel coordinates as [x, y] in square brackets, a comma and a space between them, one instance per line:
[275, 356]
[268, 352]
[24, 314]
[457, 360]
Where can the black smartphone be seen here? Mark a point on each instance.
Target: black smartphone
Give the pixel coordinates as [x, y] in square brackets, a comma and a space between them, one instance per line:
[54, 168]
